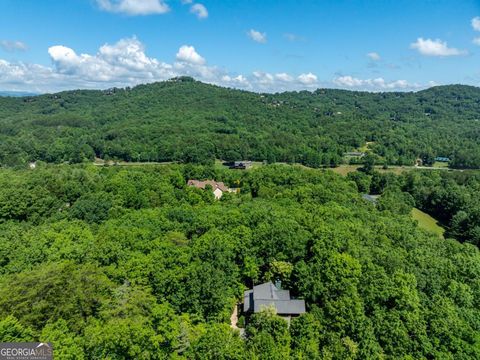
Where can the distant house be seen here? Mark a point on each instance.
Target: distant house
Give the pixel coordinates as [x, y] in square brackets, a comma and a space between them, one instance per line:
[442, 159]
[268, 295]
[371, 198]
[354, 154]
[242, 165]
[218, 188]
[32, 165]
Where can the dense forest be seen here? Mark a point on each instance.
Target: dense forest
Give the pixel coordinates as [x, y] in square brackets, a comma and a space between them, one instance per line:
[453, 197]
[183, 120]
[130, 263]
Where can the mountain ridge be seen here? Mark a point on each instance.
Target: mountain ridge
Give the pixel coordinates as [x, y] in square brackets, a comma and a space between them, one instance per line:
[189, 121]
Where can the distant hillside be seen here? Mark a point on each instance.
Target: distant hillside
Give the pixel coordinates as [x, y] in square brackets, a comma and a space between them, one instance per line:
[188, 121]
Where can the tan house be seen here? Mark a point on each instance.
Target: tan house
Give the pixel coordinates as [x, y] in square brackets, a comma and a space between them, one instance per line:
[218, 188]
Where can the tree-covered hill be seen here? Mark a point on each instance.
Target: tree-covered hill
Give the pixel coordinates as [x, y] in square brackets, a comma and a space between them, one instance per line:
[130, 263]
[188, 121]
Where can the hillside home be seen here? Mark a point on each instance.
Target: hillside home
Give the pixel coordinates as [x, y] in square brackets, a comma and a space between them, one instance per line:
[241, 165]
[269, 295]
[218, 188]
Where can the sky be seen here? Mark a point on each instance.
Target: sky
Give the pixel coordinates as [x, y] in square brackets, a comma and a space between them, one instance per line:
[257, 45]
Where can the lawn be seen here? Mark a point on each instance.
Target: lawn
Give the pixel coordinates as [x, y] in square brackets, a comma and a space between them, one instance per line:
[427, 222]
[438, 164]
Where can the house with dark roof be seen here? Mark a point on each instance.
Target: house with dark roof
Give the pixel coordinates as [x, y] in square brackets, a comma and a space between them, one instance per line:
[242, 165]
[354, 154]
[268, 295]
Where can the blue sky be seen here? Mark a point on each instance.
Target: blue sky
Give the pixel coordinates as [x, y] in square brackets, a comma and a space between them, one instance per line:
[376, 45]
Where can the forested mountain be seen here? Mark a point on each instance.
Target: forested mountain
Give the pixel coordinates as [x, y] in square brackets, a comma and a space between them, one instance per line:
[130, 263]
[188, 121]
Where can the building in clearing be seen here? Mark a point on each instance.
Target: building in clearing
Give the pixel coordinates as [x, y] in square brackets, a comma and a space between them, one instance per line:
[354, 154]
[241, 165]
[218, 188]
[268, 295]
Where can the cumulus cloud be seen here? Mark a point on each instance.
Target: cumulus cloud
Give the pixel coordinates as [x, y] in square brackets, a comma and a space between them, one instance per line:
[307, 79]
[12, 46]
[257, 36]
[189, 55]
[239, 81]
[476, 23]
[199, 10]
[476, 41]
[284, 77]
[373, 56]
[121, 62]
[429, 47]
[374, 84]
[126, 63]
[282, 81]
[134, 7]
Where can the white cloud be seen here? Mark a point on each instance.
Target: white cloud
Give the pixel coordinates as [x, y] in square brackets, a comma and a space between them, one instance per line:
[237, 81]
[257, 36]
[476, 23]
[348, 81]
[134, 7]
[374, 84]
[122, 61]
[307, 79]
[189, 55]
[436, 47]
[373, 56]
[199, 10]
[125, 63]
[12, 46]
[476, 41]
[281, 81]
[263, 79]
[284, 77]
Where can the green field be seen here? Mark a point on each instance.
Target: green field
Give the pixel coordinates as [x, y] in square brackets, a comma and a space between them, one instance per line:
[427, 222]
[438, 164]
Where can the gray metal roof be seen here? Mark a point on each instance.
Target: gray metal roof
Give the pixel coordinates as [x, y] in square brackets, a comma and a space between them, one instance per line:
[248, 301]
[283, 307]
[267, 294]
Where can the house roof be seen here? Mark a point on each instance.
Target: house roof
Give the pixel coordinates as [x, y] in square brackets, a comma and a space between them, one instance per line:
[292, 307]
[202, 184]
[371, 198]
[268, 294]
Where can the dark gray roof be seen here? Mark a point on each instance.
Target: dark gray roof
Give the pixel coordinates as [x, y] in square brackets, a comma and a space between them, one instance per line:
[267, 294]
[248, 301]
[283, 307]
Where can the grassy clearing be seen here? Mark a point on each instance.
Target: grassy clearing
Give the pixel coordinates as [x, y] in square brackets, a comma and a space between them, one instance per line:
[427, 222]
[345, 169]
[438, 164]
